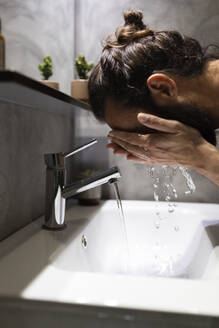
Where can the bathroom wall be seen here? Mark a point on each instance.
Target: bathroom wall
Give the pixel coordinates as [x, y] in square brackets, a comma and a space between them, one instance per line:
[26, 134]
[34, 29]
[94, 21]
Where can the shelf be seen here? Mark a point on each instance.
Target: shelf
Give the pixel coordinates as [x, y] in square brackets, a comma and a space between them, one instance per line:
[20, 89]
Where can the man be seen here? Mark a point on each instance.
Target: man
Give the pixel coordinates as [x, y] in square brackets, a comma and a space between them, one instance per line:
[159, 92]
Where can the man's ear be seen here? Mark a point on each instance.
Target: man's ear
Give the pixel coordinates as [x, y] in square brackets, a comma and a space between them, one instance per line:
[163, 89]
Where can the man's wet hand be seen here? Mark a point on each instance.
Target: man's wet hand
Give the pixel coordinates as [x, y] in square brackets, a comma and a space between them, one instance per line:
[173, 144]
[118, 150]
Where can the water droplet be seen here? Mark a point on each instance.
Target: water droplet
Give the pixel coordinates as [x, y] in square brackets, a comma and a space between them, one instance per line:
[151, 171]
[173, 191]
[171, 208]
[157, 224]
[189, 182]
[163, 188]
[156, 196]
[84, 241]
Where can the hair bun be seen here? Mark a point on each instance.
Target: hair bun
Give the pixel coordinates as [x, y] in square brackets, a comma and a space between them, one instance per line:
[132, 30]
[134, 17]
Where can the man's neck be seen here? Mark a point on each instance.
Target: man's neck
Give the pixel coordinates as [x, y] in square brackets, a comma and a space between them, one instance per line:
[203, 90]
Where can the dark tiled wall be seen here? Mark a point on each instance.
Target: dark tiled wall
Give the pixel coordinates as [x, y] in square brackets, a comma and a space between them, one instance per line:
[25, 135]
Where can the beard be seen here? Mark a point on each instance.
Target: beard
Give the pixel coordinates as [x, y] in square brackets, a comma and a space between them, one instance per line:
[190, 115]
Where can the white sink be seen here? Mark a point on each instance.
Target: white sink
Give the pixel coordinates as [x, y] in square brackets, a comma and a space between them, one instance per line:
[172, 268]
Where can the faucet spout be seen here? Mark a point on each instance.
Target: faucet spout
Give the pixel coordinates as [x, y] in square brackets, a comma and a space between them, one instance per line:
[91, 182]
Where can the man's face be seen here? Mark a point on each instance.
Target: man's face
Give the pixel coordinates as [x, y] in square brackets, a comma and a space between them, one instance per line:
[125, 119]
[119, 117]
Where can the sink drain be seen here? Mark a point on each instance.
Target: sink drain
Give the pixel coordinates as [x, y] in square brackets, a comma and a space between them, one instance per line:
[84, 241]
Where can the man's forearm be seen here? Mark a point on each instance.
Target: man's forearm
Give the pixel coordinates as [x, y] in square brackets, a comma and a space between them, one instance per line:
[208, 162]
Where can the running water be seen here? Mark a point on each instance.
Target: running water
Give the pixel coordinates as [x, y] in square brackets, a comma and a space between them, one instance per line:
[170, 192]
[163, 189]
[156, 185]
[123, 224]
[189, 182]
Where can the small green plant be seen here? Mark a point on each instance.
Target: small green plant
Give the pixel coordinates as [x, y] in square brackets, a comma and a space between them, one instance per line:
[83, 67]
[46, 67]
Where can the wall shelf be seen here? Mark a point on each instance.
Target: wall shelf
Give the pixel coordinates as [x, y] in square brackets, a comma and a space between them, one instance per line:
[23, 90]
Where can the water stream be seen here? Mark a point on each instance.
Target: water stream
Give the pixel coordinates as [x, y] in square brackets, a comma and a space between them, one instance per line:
[189, 182]
[123, 224]
[163, 188]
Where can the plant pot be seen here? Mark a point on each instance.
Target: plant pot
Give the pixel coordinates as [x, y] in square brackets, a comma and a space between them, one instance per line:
[90, 197]
[51, 84]
[79, 89]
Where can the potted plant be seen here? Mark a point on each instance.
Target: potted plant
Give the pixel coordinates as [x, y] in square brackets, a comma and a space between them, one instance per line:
[46, 70]
[92, 196]
[79, 88]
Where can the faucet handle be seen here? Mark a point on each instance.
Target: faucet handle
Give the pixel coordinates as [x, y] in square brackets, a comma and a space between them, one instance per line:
[80, 148]
[56, 160]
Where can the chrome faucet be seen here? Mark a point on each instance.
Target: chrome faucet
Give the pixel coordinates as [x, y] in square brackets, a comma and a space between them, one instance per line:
[57, 191]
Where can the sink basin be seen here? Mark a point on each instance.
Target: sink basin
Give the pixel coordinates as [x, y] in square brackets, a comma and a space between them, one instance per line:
[180, 244]
[166, 263]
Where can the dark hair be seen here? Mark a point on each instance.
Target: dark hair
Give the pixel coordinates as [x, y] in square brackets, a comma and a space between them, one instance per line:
[133, 54]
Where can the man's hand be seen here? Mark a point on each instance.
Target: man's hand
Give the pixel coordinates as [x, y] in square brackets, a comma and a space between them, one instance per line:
[173, 144]
[118, 150]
